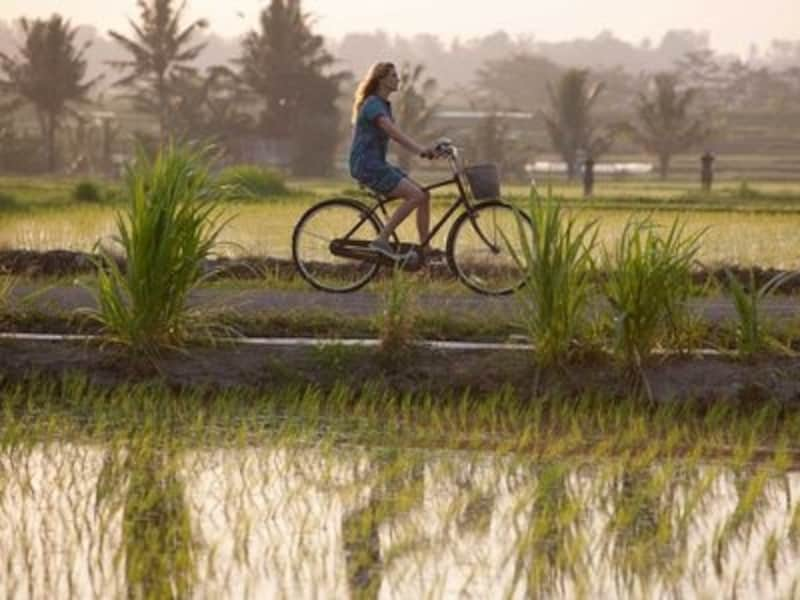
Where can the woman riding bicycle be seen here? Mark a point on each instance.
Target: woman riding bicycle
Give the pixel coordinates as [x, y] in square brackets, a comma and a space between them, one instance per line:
[339, 244]
[373, 125]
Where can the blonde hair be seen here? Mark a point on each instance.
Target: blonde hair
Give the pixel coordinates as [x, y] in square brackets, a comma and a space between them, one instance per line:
[369, 85]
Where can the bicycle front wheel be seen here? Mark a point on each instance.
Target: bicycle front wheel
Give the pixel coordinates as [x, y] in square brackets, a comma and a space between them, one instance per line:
[478, 248]
[336, 219]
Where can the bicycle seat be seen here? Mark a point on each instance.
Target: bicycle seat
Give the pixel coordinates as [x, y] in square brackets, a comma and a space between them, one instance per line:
[370, 192]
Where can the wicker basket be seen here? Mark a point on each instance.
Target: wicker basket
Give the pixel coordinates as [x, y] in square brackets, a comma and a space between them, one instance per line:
[483, 181]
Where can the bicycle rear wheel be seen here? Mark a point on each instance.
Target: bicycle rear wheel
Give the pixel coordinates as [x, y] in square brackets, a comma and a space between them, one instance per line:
[479, 253]
[320, 225]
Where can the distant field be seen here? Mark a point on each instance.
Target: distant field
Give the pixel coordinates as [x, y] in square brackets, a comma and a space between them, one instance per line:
[748, 223]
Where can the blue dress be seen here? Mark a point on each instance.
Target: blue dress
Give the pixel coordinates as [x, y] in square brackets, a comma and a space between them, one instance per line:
[368, 153]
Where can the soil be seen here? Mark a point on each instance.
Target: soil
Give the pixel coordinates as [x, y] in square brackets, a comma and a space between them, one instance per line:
[418, 370]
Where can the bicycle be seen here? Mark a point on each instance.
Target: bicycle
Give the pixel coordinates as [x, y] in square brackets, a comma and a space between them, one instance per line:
[330, 241]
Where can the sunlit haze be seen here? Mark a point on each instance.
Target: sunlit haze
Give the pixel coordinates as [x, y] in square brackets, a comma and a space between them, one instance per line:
[733, 25]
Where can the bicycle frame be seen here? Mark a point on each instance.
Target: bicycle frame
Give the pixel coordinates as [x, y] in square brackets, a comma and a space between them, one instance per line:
[463, 199]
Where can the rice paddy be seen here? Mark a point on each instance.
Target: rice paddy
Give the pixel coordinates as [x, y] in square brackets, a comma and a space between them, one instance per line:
[355, 489]
[759, 228]
[300, 493]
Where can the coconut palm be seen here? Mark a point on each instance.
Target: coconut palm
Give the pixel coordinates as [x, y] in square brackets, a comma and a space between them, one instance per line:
[665, 125]
[49, 74]
[569, 124]
[161, 52]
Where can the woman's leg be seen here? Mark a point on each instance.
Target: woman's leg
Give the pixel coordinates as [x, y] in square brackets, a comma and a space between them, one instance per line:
[414, 198]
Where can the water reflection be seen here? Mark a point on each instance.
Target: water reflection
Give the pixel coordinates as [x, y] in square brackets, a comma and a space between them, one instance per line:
[156, 526]
[396, 491]
[296, 521]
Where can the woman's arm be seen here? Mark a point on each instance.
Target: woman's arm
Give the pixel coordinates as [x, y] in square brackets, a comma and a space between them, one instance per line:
[401, 138]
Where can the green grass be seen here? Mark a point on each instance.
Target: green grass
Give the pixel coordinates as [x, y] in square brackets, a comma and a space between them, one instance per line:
[171, 225]
[648, 282]
[253, 182]
[750, 231]
[752, 336]
[557, 261]
[308, 323]
[397, 315]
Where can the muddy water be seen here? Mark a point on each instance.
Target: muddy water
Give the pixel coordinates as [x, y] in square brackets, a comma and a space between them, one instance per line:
[260, 521]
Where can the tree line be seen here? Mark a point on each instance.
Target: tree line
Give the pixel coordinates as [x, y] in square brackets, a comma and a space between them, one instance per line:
[285, 86]
[281, 86]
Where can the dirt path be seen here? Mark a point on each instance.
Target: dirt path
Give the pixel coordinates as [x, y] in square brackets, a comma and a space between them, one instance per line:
[772, 378]
[363, 304]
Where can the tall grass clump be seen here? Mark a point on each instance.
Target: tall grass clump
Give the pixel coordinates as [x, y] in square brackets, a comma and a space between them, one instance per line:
[171, 225]
[397, 320]
[648, 282]
[751, 336]
[558, 265]
[252, 181]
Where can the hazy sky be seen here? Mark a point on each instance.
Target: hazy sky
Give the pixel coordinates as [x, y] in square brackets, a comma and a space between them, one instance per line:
[733, 24]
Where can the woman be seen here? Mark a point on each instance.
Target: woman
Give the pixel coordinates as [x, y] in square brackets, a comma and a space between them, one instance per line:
[373, 126]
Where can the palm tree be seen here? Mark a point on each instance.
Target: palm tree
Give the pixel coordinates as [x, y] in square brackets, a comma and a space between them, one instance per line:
[49, 75]
[286, 66]
[415, 106]
[495, 141]
[665, 125]
[569, 124]
[208, 106]
[161, 53]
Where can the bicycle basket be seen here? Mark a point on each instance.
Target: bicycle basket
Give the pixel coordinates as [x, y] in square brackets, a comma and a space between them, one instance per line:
[483, 181]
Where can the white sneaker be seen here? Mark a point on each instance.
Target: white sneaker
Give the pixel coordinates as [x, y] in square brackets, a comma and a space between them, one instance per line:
[386, 249]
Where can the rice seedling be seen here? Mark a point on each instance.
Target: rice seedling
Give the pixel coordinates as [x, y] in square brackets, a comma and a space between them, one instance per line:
[551, 548]
[171, 226]
[647, 285]
[558, 265]
[142, 491]
[751, 337]
[641, 536]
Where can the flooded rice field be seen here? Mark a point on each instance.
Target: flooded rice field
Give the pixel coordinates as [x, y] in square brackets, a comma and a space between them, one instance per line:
[290, 516]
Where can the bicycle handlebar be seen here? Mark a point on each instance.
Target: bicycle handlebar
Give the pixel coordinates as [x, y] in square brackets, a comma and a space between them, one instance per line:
[443, 147]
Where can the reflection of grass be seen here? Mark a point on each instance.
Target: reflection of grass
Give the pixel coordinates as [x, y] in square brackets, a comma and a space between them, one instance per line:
[156, 530]
[207, 493]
